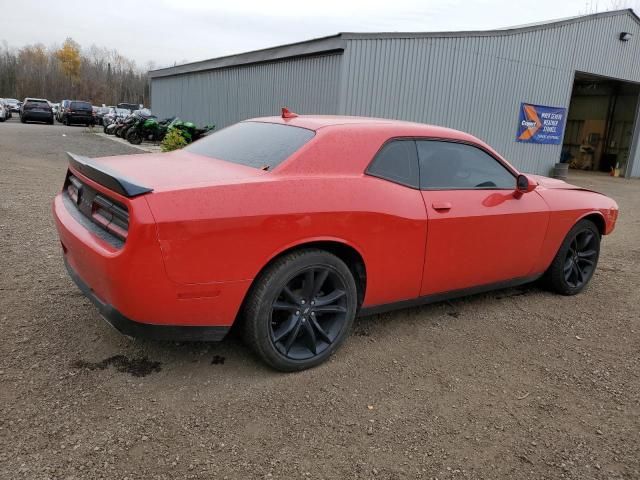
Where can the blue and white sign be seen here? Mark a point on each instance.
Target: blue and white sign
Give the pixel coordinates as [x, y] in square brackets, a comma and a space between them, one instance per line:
[541, 124]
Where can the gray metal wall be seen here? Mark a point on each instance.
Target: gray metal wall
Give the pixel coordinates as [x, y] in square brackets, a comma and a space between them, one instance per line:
[472, 82]
[476, 83]
[226, 96]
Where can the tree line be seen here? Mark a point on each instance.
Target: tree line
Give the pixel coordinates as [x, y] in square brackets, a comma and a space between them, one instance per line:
[97, 75]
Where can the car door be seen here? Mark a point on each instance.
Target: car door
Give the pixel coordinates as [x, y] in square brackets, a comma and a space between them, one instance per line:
[399, 254]
[479, 232]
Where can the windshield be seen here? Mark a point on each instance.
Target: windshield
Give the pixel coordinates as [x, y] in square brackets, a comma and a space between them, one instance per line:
[254, 144]
[81, 106]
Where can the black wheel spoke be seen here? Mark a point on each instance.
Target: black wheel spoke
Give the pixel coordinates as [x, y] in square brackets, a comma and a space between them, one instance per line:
[567, 266]
[587, 254]
[585, 240]
[286, 291]
[310, 337]
[289, 307]
[307, 288]
[579, 274]
[319, 282]
[292, 337]
[320, 331]
[330, 309]
[329, 298]
[285, 329]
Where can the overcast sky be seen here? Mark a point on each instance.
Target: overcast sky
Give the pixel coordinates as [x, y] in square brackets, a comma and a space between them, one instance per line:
[170, 31]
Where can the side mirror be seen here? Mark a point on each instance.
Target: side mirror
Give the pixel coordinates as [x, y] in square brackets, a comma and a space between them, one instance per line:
[524, 185]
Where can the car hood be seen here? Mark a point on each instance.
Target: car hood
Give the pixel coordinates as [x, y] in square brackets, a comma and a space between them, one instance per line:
[554, 183]
[175, 170]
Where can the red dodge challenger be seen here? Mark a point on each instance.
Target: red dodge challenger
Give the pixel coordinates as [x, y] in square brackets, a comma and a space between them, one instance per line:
[294, 225]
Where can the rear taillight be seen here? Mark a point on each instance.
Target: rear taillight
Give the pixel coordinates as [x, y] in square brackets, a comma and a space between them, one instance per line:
[73, 188]
[111, 217]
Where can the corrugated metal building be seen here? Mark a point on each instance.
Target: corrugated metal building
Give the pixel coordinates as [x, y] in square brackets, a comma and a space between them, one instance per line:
[472, 81]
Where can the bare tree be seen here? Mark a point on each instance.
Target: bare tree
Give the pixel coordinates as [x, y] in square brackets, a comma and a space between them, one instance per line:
[97, 74]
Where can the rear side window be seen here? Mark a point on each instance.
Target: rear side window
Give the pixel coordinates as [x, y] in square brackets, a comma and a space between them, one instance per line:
[458, 166]
[397, 162]
[254, 144]
[81, 106]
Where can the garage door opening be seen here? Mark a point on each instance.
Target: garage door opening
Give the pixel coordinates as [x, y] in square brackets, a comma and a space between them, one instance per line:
[600, 124]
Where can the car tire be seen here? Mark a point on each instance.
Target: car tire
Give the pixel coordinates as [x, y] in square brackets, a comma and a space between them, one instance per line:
[22, 119]
[300, 309]
[575, 263]
[65, 121]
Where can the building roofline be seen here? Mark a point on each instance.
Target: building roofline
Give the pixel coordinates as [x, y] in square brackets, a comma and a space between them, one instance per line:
[496, 32]
[315, 46]
[336, 43]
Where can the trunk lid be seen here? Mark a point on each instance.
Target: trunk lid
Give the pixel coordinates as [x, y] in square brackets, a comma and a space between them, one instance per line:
[170, 171]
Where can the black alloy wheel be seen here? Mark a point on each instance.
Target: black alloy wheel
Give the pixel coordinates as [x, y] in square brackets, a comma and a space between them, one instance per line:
[309, 313]
[576, 260]
[300, 309]
[580, 259]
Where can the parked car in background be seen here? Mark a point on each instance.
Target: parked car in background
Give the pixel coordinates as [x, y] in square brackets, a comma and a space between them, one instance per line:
[63, 104]
[55, 107]
[78, 111]
[363, 215]
[7, 108]
[99, 113]
[14, 104]
[4, 112]
[36, 110]
[130, 106]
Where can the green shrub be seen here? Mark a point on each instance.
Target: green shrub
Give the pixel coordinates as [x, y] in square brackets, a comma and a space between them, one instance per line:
[173, 140]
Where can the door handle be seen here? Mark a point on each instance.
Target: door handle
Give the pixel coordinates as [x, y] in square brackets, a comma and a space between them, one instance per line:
[441, 205]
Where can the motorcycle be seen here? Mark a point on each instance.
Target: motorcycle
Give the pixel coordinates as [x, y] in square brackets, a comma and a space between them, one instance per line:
[110, 127]
[190, 132]
[121, 130]
[115, 115]
[147, 127]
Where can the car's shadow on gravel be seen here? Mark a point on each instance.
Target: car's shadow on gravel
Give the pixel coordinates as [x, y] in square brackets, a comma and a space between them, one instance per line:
[232, 357]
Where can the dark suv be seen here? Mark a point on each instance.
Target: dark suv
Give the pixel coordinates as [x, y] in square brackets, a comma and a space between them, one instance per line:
[36, 110]
[78, 112]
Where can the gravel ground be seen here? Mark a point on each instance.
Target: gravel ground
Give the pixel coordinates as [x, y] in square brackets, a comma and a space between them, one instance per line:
[518, 383]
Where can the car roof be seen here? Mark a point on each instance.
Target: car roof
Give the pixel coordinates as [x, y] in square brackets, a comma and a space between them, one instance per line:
[394, 127]
[35, 99]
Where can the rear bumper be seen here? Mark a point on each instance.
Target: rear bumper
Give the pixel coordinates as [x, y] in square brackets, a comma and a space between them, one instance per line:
[130, 286]
[38, 116]
[131, 328]
[79, 118]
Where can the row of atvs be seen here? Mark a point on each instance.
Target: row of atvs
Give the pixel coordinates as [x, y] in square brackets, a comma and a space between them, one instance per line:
[143, 125]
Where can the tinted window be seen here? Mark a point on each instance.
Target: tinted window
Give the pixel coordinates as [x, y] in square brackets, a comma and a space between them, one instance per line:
[81, 106]
[449, 166]
[397, 161]
[38, 102]
[254, 144]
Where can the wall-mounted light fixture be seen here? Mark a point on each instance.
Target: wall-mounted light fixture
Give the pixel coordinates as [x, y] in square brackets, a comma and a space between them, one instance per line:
[625, 36]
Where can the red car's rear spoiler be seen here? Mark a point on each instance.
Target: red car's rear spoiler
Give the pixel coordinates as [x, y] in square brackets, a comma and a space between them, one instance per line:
[103, 176]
